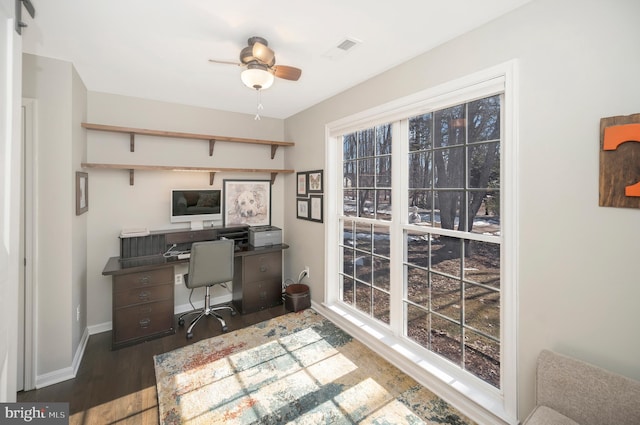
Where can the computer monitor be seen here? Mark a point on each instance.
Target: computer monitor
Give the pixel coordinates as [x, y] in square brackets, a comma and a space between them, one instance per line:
[196, 206]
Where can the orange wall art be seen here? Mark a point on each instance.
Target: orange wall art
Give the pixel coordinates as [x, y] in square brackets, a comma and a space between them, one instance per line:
[620, 161]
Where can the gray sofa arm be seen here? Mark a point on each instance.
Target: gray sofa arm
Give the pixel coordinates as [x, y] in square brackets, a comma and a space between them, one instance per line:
[570, 391]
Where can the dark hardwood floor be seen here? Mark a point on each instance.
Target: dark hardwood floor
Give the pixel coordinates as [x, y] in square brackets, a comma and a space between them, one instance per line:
[119, 387]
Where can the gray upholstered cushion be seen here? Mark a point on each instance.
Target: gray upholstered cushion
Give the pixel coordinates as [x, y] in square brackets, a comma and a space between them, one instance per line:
[585, 393]
[542, 415]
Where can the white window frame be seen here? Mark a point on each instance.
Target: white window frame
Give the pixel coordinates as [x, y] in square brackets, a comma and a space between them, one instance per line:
[474, 397]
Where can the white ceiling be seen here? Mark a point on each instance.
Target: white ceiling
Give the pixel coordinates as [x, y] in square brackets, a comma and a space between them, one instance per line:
[159, 49]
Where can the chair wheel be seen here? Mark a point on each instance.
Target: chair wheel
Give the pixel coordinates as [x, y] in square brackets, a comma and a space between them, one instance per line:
[233, 313]
[224, 329]
[189, 335]
[181, 322]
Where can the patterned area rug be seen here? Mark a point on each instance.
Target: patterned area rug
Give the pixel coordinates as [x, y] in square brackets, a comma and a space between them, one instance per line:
[298, 368]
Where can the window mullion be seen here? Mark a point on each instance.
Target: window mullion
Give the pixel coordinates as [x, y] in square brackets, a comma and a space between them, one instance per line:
[399, 177]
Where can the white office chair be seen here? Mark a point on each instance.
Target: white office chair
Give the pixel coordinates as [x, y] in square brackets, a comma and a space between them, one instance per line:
[211, 263]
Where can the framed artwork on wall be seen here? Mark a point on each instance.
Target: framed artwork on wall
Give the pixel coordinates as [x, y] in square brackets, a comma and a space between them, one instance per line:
[82, 192]
[302, 208]
[314, 181]
[247, 202]
[301, 184]
[315, 208]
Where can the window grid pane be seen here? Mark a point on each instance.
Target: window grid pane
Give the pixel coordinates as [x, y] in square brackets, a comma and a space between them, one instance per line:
[451, 299]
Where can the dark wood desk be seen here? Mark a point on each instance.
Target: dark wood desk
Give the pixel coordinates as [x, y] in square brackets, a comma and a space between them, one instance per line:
[143, 287]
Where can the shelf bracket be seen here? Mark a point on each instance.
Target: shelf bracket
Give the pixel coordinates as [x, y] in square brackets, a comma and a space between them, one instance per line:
[274, 148]
[131, 177]
[273, 177]
[211, 177]
[212, 143]
[132, 142]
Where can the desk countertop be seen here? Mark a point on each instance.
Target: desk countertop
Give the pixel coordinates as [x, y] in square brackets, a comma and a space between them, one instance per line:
[118, 266]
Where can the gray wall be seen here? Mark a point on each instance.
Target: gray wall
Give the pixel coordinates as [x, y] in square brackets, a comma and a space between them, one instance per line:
[578, 276]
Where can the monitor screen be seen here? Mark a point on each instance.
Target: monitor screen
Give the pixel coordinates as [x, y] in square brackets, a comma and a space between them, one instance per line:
[196, 206]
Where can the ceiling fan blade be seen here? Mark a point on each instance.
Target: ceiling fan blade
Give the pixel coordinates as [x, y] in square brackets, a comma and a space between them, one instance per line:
[287, 72]
[262, 53]
[225, 62]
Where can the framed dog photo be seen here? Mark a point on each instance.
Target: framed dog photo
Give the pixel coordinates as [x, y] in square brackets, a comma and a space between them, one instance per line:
[247, 202]
[315, 181]
[302, 208]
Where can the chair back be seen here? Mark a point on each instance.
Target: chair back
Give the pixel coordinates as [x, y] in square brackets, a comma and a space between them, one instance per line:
[211, 262]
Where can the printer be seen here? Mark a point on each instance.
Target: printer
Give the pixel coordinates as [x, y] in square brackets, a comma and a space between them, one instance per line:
[264, 236]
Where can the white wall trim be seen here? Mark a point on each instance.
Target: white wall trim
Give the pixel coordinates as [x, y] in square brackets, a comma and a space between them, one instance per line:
[100, 328]
[472, 404]
[64, 374]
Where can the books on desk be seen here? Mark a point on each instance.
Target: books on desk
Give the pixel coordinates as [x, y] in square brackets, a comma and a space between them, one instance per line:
[134, 232]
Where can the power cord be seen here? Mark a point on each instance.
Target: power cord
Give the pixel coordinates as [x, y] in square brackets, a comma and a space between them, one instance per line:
[170, 253]
[302, 275]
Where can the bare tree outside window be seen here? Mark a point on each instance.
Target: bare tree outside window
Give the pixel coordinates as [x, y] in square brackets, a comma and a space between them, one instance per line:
[450, 286]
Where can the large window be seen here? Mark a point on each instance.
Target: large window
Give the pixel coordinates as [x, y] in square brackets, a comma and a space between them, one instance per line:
[452, 288]
[420, 235]
[366, 194]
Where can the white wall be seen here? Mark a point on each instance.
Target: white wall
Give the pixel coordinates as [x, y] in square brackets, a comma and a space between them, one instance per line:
[59, 277]
[114, 204]
[578, 276]
[78, 223]
[10, 95]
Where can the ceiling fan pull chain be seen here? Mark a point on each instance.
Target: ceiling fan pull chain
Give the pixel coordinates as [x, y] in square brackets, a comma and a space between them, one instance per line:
[259, 106]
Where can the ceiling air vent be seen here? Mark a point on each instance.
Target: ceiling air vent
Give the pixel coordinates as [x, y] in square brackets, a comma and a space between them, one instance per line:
[341, 49]
[347, 44]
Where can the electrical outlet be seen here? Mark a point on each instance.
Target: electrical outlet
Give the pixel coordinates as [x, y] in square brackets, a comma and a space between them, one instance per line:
[178, 279]
[306, 269]
[78, 313]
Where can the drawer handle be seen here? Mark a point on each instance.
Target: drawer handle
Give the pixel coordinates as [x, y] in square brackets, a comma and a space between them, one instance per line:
[263, 268]
[144, 279]
[144, 323]
[144, 295]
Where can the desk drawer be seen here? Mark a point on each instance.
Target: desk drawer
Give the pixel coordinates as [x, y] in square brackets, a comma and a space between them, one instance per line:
[260, 295]
[137, 280]
[263, 267]
[141, 295]
[143, 320]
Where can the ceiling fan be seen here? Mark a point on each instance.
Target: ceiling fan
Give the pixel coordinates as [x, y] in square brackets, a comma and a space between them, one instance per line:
[260, 63]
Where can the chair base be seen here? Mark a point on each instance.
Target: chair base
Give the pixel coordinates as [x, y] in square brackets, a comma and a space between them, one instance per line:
[206, 311]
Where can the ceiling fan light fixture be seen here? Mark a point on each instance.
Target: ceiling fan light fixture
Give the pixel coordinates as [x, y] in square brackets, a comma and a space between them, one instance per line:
[257, 77]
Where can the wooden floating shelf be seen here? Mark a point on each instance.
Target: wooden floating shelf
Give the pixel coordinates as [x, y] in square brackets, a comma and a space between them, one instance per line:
[211, 170]
[179, 135]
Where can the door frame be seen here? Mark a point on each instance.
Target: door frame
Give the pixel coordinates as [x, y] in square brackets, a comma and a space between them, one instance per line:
[26, 352]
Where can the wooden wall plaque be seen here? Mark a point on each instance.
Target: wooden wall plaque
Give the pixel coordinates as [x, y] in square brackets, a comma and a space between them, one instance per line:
[620, 161]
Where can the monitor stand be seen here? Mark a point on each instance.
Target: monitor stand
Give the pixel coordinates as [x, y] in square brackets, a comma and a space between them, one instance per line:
[197, 225]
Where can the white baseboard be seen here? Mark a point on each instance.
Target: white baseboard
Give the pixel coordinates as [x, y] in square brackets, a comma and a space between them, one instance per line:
[66, 373]
[70, 372]
[99, 328]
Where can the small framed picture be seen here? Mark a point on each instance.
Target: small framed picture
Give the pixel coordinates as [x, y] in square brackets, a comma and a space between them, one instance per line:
[82, 192]
[301, 184]
[314, 181]
[302, 208]
[315, 208]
